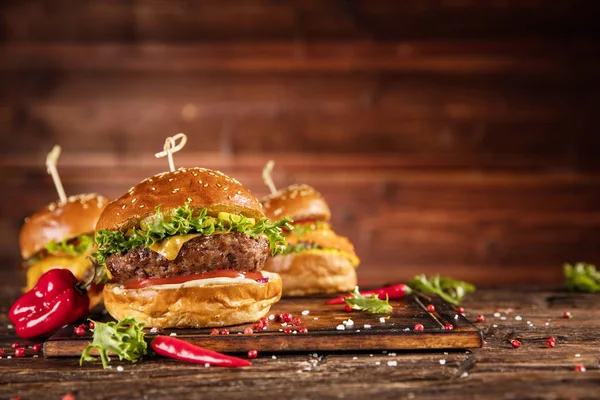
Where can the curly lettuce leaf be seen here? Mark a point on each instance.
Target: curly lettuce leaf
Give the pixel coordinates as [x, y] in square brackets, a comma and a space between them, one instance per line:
[124, 338]
[451, 290]
[73, 247]
[372, 304]
[183, 222]
[582, 277]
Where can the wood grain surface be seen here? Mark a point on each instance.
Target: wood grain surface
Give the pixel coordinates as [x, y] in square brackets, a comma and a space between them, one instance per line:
[495, 371]
[453, 136]
[366, 332]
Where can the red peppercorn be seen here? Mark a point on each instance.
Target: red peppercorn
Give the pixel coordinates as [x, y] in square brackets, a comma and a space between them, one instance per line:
[225, 332]
[14, 345]
[214, 331]
[286, 317]
[264, 321]
[302, 330]
[448, 327]
[419, 327]
[480, 318]
[92, 325]
[460, 310]
[68, 396]
[258, 326]
[297, 321]
[1, 352]
[550, 342]
[36, 348]
[252, 354]
[515, 343]
[580, 368]
[19, 351]
[79, 330]
[347, 308]
[567, 314]
[287, 330]
[430, 308]
[248, 331]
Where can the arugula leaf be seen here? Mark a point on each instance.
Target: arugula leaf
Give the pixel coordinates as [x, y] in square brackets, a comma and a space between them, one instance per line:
[451, 290]
[372, 304]
[582, 277]
[124, 338]
[302, 246]
[183, 222]
[74, 247]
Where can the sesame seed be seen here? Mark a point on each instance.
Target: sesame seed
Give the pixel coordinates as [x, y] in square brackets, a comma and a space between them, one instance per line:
[153, 188]
[133, 201]
[218, 185]
[226, 189]
[170, 179]
[123, 206]
[141, 206]
[239, 192]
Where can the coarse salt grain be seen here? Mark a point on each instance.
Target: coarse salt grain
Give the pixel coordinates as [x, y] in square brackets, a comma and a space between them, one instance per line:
[153, 330]
[340, 327]
[206, 365]
[355, 358]
[274, 357]
[284, 324]
[442, 361]
[120, 368]
[577, 355]
[367, 326]
[271, 317]
[305, 312]
[391, 354]
[464, 375]
[349, 322]
[172, 334]
[382, 320]
[518, 318]
[315, 318]
[494, 326]
[392, 363]
[10, 326]
[497, 315]
[502, 318]
[377, 363]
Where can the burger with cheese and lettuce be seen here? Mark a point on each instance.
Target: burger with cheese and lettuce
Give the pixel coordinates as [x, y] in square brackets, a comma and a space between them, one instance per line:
[61, 235]
[186, 249]
[317, 260]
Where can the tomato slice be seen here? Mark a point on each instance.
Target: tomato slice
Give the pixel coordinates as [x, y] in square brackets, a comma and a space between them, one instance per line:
[142, 283]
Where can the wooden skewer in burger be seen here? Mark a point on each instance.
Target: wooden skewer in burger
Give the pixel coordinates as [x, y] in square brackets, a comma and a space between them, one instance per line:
[185, 248]
[317, 260]
[61, 235]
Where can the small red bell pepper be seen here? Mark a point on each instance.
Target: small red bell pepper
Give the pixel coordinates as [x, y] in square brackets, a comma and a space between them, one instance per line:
[169, 346]
[55, 300]
[396, 291]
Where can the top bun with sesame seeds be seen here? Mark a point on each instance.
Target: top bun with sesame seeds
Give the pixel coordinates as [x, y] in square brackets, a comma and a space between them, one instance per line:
[298, 202]
[201, 188]
[61, 221]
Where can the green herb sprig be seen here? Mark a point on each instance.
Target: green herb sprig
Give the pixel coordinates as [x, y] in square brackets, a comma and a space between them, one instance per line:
[72, 246]
[451, 290]
[582, 277]
[124, 338]
[372, 304]
[183, 222]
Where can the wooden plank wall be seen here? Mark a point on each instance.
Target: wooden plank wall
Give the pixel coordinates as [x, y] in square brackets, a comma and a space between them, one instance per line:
[451, 136]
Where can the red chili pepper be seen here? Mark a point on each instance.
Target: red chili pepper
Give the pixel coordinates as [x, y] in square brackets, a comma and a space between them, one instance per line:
[169, 346]
[396, 291]
[55, 300]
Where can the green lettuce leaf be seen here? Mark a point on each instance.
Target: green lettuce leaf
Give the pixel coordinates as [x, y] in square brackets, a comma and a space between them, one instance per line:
[124, 338]
[73, 247]
[183, 222]
[372, 304]
[582, 277]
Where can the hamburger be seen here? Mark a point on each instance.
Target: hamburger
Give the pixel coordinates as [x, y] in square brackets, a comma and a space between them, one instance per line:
[185, 249]
[317, 260]
[61, 235]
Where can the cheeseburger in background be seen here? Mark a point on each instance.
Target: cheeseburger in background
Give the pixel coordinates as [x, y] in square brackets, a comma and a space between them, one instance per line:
[317, 260]
[186, 249]
[61, 235]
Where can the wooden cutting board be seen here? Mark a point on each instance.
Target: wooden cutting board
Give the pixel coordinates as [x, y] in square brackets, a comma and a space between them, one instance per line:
[322, 322]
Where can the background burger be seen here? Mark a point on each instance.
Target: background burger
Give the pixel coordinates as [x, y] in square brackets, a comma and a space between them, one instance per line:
[316, 259]
[185, 249]
[61, 235]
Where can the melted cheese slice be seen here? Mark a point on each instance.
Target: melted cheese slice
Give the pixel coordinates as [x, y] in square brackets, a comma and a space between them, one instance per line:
[77, 265]
[169, 248]
[354, 260]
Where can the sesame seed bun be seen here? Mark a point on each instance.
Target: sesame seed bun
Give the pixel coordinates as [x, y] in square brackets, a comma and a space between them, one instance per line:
[297, 202]
[194, 306]
[61, 221]
[200, 187]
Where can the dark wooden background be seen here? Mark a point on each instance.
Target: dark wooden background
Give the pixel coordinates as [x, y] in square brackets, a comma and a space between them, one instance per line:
[451, 136]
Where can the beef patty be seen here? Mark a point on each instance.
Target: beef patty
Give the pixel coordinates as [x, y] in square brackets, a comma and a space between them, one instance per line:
[234, 251]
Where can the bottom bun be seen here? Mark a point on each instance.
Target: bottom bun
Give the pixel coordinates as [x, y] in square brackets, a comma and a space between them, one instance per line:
[313, 271]
[196, 304]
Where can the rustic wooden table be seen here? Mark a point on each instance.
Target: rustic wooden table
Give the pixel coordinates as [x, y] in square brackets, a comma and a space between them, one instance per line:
[495, 371]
